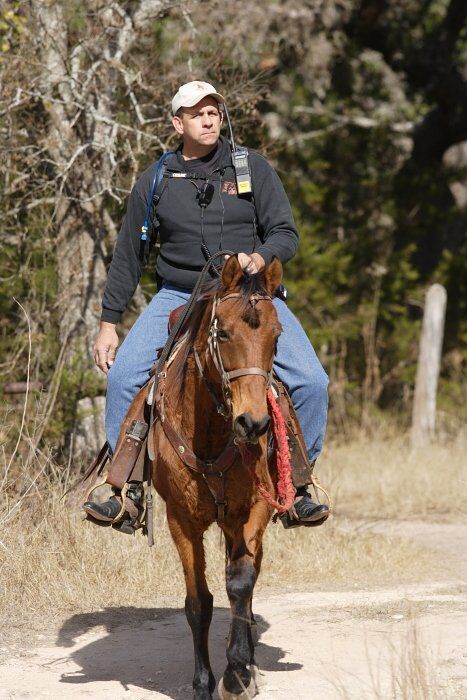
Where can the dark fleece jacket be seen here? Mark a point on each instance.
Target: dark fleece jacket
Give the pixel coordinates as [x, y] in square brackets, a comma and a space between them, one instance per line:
[228, 224]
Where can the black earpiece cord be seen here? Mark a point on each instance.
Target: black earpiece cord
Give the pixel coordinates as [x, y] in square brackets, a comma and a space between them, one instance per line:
[204, 196]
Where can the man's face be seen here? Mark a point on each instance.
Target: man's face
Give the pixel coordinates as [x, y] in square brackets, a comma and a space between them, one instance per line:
[200, 124]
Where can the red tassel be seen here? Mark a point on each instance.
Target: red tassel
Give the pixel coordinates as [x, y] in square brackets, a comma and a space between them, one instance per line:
[285, 487]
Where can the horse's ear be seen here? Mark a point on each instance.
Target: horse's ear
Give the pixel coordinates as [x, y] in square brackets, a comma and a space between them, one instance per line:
[231, 273]
[272, 276]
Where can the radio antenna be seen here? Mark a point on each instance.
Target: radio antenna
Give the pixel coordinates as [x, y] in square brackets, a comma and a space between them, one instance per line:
[232, 140]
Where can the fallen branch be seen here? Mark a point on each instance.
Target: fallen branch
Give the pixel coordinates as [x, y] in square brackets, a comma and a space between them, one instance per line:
[22, 387]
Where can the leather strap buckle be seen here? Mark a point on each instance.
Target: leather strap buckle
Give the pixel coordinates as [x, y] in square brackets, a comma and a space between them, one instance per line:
[220, 505]
[138, 430]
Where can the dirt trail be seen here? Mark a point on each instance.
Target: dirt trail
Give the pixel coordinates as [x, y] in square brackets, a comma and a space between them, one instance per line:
[336, 644]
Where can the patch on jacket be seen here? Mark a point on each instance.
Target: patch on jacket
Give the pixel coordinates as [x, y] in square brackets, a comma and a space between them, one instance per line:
[229, 187]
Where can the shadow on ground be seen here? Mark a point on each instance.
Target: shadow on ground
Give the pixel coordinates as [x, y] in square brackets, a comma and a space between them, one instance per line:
[150, 648]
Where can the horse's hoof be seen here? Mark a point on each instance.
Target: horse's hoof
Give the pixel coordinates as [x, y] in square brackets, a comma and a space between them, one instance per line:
[246, 694]
[202, 695]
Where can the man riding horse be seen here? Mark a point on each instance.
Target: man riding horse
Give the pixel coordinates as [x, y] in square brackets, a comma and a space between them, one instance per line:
[200, 209]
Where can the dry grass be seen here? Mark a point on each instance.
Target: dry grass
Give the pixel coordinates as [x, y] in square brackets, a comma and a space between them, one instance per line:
[414, 669]
[405, 669]
[383, 478]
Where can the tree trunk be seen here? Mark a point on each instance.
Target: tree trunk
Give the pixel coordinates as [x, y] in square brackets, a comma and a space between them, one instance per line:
[79, 89]
[89, 435]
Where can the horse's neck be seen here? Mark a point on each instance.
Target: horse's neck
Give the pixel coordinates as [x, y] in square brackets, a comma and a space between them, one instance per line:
[193, 413]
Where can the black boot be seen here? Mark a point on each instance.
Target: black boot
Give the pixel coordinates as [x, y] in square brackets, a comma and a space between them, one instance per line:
[108, 511]
[104, 512]
[305, 511]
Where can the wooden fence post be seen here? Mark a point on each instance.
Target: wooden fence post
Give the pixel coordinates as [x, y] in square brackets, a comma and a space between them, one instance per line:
[429, 358]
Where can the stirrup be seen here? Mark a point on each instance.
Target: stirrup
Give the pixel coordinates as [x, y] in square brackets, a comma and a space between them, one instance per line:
[290, 521]
[119, 515]
[124, 525]
[130, 517]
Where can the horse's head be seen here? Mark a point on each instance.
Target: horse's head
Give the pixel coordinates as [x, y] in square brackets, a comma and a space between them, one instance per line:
[243, 336]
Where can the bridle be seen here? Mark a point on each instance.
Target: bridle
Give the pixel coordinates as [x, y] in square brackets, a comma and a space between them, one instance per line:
[213, 349]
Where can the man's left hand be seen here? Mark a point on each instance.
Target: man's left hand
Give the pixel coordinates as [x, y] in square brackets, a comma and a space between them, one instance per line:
[251, 263]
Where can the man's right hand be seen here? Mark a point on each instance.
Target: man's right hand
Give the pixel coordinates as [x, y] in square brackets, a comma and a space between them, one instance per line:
[105, 346]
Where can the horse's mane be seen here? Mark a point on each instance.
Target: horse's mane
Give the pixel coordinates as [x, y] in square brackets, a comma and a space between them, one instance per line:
[248, 285]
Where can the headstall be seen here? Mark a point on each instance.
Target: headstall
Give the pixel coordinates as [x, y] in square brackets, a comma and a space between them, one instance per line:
[213, 348]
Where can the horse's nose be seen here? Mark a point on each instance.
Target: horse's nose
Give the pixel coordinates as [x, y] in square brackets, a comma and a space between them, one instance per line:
[249, 430]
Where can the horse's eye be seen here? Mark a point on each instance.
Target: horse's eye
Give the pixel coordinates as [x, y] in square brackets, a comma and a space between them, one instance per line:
[222, 334]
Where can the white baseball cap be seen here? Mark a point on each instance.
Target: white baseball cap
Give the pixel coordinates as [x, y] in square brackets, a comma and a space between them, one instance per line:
[191, 93]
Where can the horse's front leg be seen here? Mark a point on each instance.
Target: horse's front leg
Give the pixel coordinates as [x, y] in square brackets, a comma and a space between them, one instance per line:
[241, 573]
[198, 602]
[253, 624]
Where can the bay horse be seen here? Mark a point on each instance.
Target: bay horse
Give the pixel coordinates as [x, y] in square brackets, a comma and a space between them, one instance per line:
[213, 402]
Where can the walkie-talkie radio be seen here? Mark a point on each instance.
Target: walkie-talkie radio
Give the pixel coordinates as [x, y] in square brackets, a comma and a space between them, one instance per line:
[242, 169]
[240, 162]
